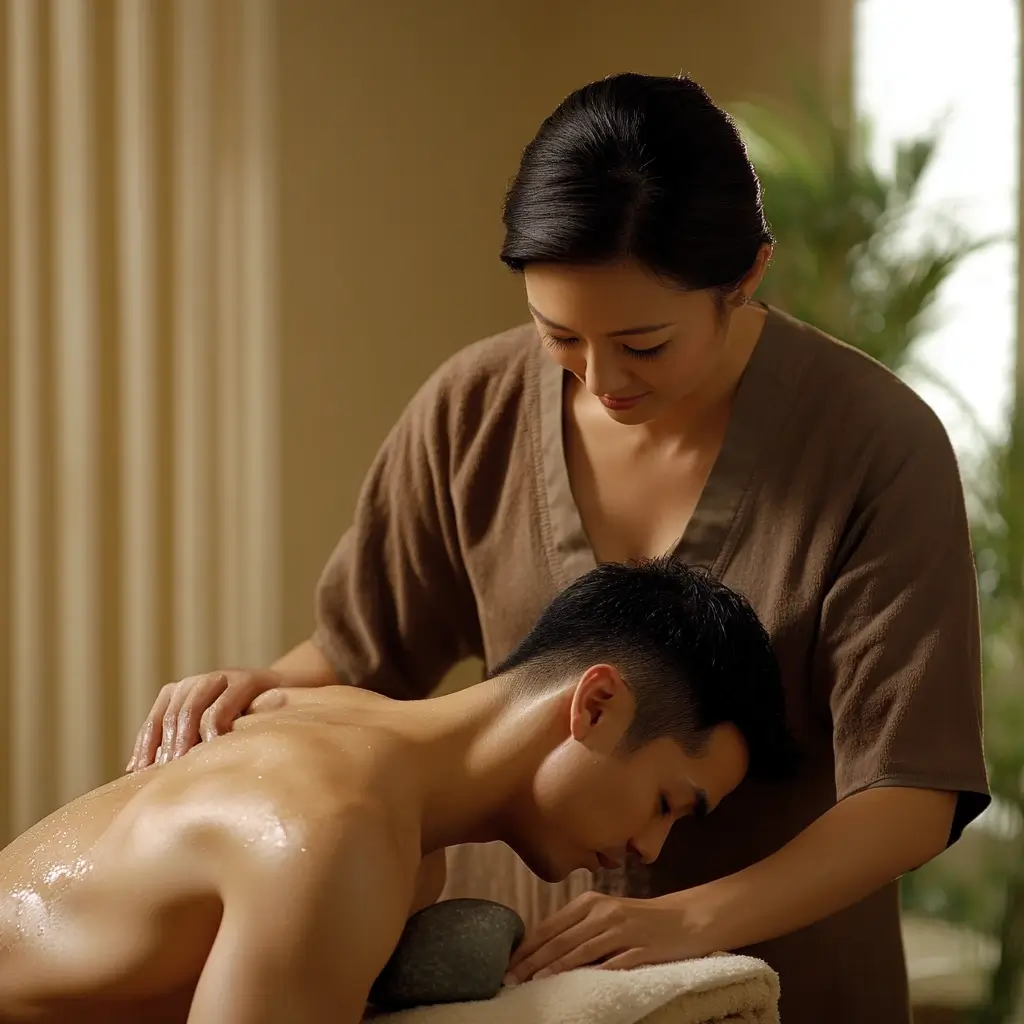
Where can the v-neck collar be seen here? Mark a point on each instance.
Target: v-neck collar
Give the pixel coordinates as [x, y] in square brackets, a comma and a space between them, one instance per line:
[709, 535]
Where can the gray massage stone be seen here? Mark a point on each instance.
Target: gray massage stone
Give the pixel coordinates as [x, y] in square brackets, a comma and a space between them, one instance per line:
[453, 951]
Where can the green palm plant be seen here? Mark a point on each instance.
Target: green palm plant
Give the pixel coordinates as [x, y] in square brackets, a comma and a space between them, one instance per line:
[857, 256]
[999, 547]
[860, 258]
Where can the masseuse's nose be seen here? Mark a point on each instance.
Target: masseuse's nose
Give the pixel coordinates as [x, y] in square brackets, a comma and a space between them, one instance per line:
[605, 374]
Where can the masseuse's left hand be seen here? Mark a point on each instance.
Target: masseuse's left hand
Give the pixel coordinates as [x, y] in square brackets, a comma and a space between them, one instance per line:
[612, 932]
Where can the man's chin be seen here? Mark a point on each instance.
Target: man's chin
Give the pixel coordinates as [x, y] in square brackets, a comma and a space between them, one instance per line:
[552, 874]
[545, 868]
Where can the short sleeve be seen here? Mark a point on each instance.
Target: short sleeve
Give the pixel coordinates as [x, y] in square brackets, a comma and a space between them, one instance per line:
[899, 648]
[394, 606]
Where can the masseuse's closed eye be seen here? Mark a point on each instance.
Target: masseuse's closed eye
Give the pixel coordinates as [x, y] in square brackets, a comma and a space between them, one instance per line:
[666, 807]
[645, 353]
[637, 353]
[553, 342]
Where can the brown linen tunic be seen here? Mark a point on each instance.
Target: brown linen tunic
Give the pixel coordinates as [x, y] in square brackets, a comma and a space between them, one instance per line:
[835, 505]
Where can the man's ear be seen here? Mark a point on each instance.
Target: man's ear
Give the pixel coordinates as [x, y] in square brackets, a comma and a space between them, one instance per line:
[602, 707]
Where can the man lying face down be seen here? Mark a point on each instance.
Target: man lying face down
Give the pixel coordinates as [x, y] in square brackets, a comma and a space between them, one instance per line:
[267, 876]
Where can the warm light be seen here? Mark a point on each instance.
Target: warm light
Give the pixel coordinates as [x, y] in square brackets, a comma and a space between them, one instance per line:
[914, 68]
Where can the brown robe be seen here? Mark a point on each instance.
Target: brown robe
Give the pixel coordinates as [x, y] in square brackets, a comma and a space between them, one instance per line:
[835, 506]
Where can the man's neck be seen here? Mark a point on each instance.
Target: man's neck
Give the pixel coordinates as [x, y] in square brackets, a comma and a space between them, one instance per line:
[475, 754]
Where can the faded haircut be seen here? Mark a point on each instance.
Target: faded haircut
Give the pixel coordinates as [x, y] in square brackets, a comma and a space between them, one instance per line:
[693, 652]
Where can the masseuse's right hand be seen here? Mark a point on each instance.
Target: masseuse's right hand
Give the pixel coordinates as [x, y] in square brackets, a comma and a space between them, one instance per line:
[197, 707]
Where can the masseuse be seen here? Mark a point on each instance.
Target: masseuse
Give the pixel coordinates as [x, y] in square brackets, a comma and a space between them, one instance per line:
[651, 404]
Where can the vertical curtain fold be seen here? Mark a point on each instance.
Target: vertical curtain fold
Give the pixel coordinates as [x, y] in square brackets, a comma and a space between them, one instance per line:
[139, 357]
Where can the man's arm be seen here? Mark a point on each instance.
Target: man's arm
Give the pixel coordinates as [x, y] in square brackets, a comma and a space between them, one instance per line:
[430, 880]
[305, 943]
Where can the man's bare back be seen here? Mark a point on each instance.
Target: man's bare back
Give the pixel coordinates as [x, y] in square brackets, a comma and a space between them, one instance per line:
[112, 905]
[266, 876]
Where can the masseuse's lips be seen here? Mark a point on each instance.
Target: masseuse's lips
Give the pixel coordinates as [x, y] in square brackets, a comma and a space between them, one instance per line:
[621, 404]
[608, 863]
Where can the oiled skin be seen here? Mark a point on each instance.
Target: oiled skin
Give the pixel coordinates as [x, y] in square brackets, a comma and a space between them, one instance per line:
[110, 906]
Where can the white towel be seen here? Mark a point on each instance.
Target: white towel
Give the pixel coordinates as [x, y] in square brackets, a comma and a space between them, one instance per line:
[716, 988]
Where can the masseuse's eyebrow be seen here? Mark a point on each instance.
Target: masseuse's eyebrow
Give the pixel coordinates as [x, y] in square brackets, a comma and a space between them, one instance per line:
[626, 332]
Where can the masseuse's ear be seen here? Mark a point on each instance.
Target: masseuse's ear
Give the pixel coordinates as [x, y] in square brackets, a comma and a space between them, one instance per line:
[744, 291]
[602, 708]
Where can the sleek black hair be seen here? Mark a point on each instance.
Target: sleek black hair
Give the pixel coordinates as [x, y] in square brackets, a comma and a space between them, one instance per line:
[638, 167]
[691, 649]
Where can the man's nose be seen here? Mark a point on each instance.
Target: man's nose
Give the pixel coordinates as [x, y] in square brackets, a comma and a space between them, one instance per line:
[648, 844]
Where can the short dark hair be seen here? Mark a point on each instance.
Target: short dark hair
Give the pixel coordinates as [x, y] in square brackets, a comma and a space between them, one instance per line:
[691, 649]
[638, 167]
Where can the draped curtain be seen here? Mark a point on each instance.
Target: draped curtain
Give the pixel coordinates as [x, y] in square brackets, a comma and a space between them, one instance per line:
[138, 461]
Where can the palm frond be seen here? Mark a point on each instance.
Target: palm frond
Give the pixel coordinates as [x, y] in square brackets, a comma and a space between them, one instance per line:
[847, 258]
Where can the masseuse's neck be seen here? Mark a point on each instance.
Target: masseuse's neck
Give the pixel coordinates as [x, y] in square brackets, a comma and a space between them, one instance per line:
[477, 753]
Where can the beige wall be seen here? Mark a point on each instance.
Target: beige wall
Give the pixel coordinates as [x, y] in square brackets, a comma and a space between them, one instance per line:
[399, 125]
[6, 540]
[234, 238]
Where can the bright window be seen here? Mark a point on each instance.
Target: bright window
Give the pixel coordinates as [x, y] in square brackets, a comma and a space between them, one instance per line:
[918, 62]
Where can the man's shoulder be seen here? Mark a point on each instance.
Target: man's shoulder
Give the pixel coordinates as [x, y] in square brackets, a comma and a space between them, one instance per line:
[279, 786]
[321, 899]
[315, 805]
[354, 877]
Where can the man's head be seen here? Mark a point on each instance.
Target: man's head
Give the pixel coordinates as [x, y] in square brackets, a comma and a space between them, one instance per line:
[667, 694]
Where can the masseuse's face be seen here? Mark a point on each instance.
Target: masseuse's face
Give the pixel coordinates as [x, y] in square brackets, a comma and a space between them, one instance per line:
[639, 345]
[591, 805]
